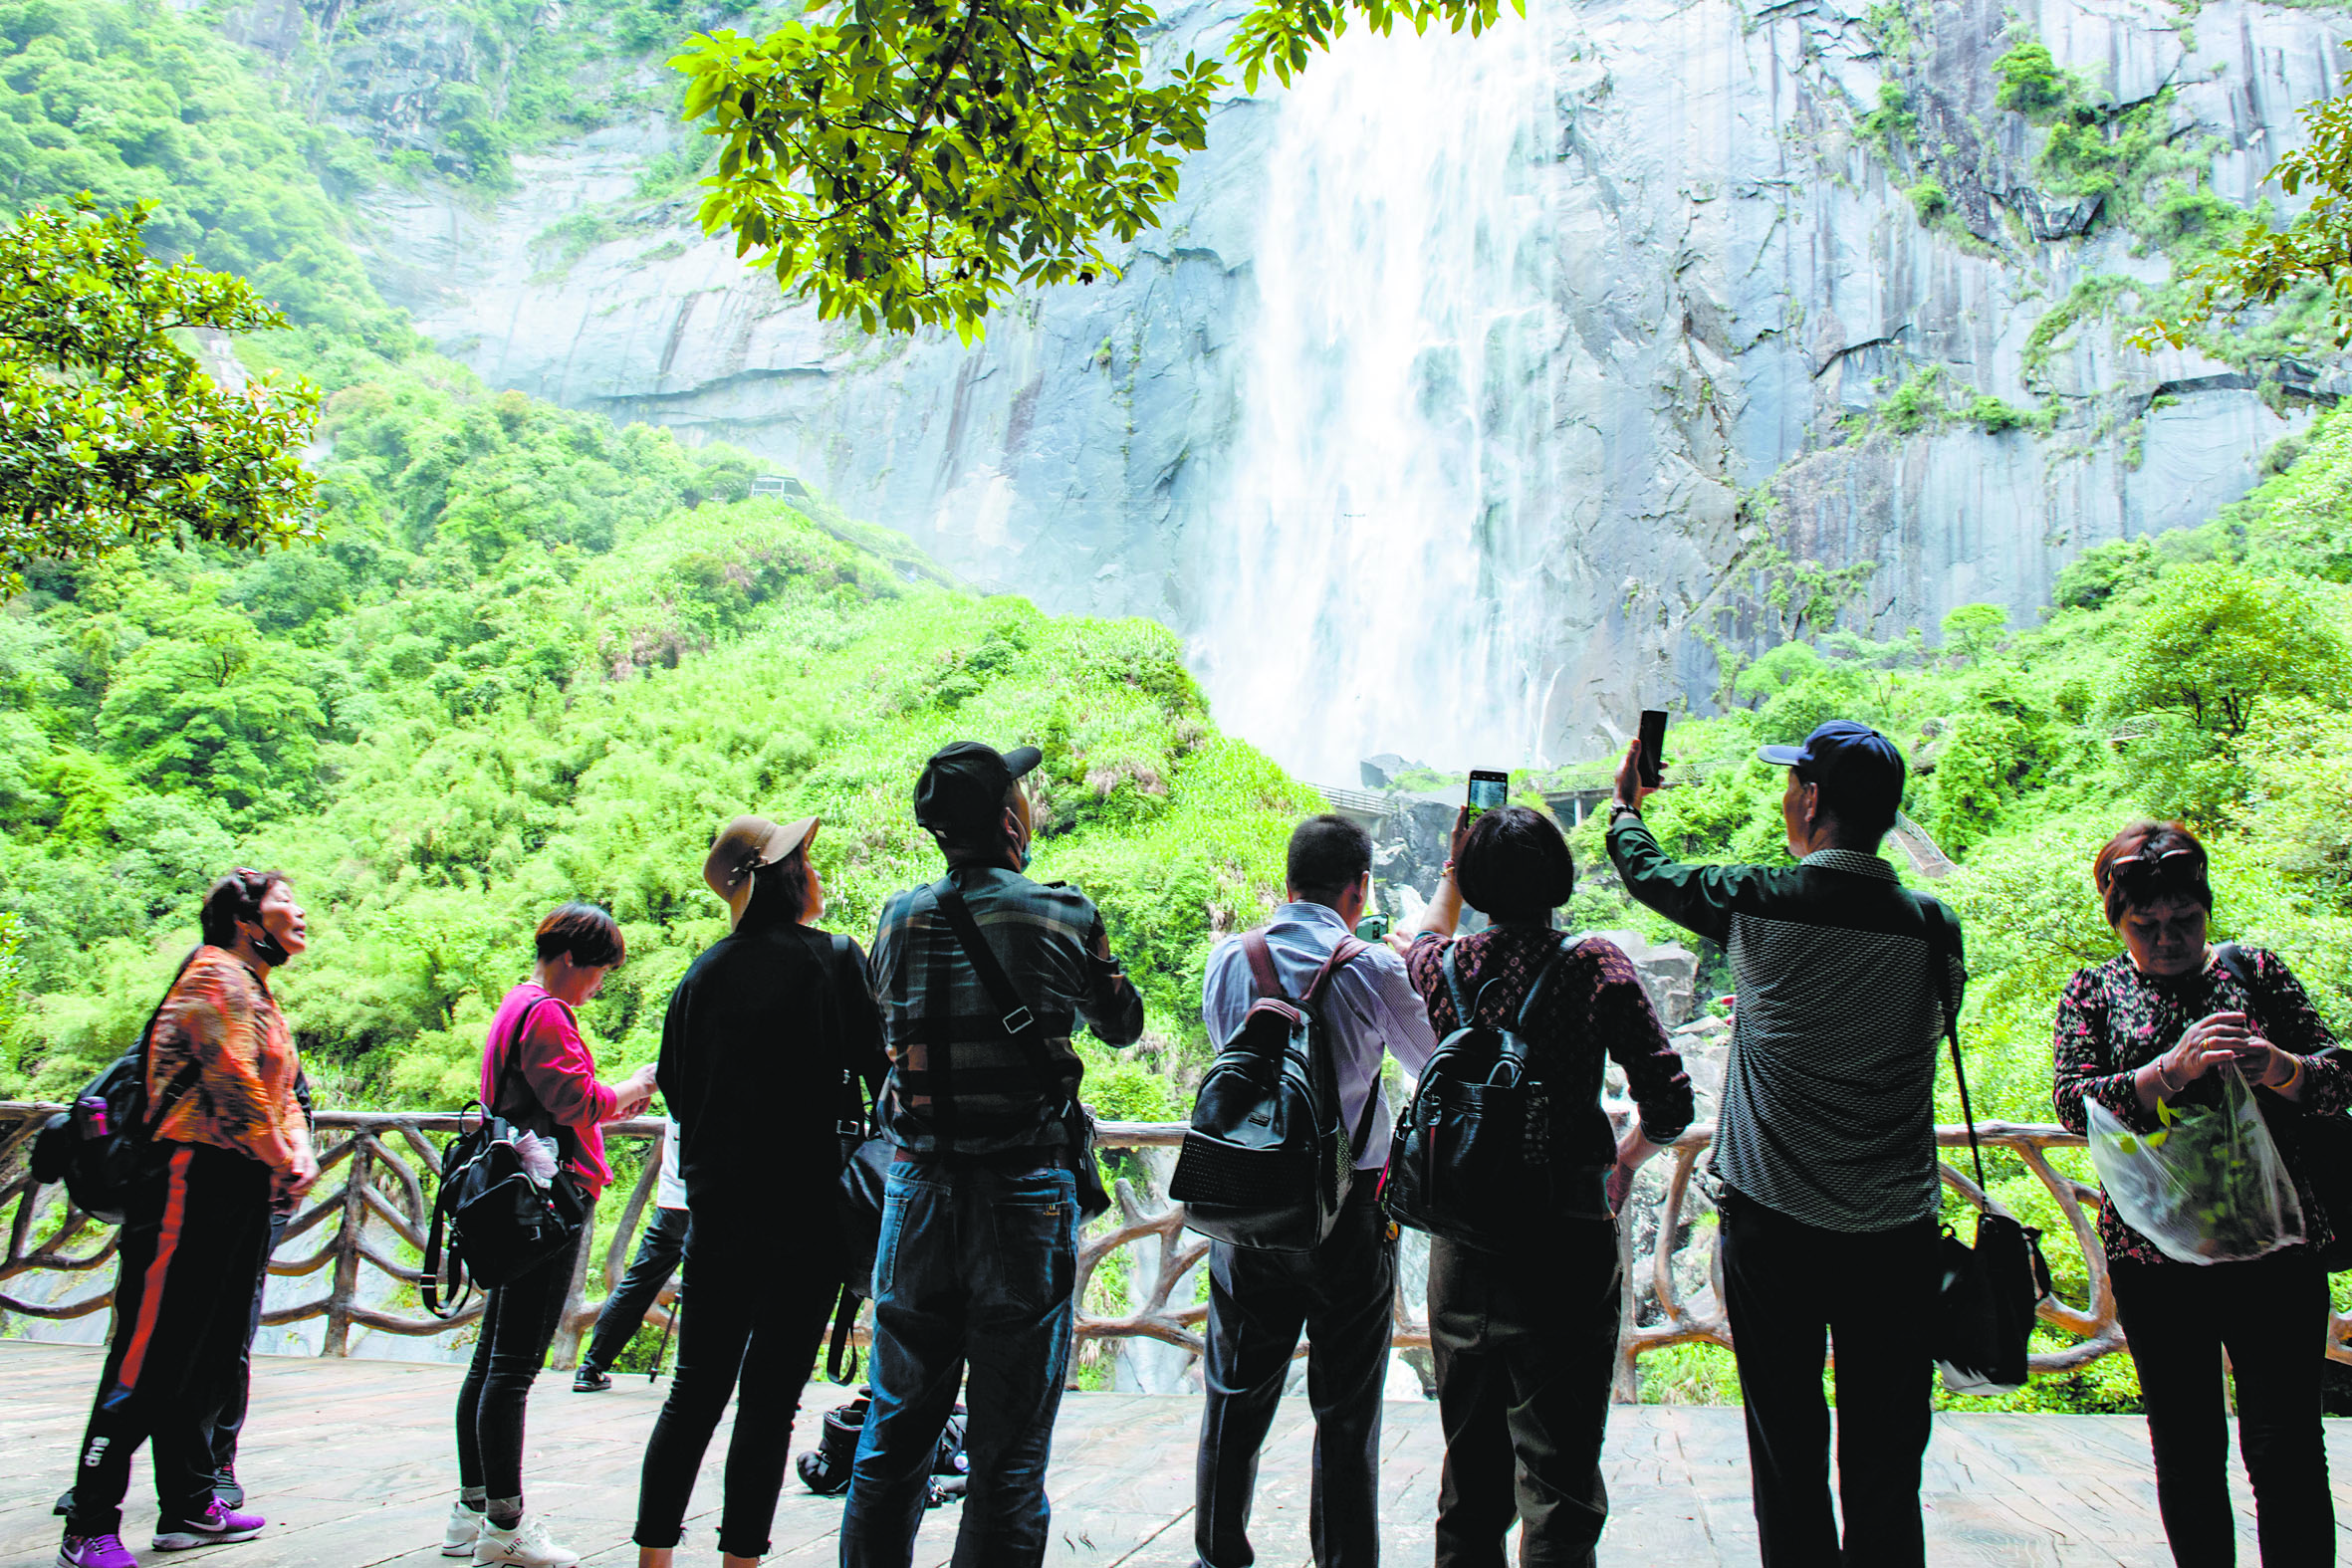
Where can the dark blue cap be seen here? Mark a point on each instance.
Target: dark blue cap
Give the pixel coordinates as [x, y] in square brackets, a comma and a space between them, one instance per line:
[1863, 763]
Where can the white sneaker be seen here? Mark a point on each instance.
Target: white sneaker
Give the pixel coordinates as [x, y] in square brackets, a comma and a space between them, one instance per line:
[463, 1529]
[527, 1545]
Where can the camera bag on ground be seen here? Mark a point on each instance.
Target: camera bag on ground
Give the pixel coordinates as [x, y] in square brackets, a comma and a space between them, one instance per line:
[1268, 1162]
[492, 1218]
[2318, 1144]
[101, 1145]
[826, 1468]
[1021, 1023]
[1471, 1158]
[1986, 1303]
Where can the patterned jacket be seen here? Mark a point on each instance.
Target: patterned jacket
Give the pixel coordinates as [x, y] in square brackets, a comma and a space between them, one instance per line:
[220, 1016]
[2113, 1019]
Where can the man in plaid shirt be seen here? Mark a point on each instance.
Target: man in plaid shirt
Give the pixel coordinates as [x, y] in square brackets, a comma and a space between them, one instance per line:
[978, 1253]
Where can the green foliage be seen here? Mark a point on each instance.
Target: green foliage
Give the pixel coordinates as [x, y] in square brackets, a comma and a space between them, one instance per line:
[135, 102]
[2214, 641]
[2263, 262]
[109, 432]
[1931, 200]
[910, 165]
[2030, 82]
[1917, 404]
[2101, 572]
[1280, 34]
[1973, 630]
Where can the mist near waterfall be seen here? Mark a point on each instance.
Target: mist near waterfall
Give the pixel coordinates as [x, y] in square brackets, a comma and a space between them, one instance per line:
[1359, 592]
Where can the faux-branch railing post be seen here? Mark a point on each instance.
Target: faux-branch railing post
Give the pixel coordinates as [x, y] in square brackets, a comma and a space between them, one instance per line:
[380, 1165]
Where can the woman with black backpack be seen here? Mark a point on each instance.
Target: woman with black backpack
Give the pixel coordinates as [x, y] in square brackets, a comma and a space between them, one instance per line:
[539, 1074]
[1525, 1341]
[228, 1139]
[766, 1039]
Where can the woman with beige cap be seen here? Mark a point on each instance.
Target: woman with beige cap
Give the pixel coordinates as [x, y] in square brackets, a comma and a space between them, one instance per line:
[765, 1038]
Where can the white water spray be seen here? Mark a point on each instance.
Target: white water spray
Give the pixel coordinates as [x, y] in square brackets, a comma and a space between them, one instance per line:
[1360, 593]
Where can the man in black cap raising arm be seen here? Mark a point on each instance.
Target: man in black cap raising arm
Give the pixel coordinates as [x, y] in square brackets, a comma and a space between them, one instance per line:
[1824, 1140]
[981, 976]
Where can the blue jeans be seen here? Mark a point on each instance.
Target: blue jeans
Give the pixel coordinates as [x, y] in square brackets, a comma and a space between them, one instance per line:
[973, 1276]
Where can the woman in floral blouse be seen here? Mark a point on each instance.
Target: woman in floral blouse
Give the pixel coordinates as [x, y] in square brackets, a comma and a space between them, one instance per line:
[2157, 1024]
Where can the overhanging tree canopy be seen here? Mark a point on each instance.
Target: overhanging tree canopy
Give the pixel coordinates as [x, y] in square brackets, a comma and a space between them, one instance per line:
[910, 162]
[110, 430]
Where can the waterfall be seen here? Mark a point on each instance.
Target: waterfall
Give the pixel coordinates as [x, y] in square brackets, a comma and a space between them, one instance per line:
[1361, 590]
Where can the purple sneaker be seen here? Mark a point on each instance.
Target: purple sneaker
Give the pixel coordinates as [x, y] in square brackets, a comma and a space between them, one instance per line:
[95, 1551]
[214, 1525]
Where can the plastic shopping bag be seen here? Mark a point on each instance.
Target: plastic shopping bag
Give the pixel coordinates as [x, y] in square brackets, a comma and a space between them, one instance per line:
[2208, 1185]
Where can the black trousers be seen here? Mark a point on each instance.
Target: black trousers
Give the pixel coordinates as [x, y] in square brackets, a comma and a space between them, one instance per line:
[752, 1319]
[1782, 1288]
[194, 1241]
[2270, 1314]
[1526, 1346]
[516, 1331]
[658, 1251]
[228, 1421]
[1342, 1295]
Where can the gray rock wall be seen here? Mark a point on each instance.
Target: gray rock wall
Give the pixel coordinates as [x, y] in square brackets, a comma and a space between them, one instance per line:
[1727, 270]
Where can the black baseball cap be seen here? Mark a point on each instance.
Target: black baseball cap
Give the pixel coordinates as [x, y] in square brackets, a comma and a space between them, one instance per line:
[962, 787]
[1859, 762]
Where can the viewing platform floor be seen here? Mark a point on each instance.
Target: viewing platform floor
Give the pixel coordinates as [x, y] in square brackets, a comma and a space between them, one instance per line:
[351, 1462]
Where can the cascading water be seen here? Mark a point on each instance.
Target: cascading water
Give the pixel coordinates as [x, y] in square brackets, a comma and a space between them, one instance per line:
[1361, 590]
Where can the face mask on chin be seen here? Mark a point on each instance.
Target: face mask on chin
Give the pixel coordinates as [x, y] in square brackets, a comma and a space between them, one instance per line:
[265, 946]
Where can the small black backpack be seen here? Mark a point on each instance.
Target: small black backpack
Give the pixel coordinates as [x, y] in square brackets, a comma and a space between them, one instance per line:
[1267, 1162]
[101, 1145]
[1471, 1158]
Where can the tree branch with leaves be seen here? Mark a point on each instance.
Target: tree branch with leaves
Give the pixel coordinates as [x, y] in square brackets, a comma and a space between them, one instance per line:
[912, 163]
[110, 432]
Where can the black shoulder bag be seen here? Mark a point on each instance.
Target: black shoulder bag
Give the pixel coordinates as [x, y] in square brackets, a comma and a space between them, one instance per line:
[866, 1170]
[1984, 1310]
[101, 1145]
[491, 1220]
[1022, 1024]
[2318, 1144]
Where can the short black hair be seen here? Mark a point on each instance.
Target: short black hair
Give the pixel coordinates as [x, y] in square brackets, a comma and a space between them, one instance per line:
[1515, 865]
[588, 932]
[978, 837]
[1329, 855]
[1860, 803]
[235, 897]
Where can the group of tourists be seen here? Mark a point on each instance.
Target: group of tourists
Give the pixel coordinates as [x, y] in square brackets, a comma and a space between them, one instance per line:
[958, 1027]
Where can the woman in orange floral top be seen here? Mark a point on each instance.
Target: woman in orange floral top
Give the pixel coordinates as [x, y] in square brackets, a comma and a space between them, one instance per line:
[230, 1140]
[2158, 1025]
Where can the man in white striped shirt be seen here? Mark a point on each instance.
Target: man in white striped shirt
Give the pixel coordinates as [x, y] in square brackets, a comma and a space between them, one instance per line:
[1825, 1140]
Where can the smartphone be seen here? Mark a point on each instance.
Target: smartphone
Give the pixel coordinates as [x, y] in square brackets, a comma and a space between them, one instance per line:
[1653, 747]
[1488, 790]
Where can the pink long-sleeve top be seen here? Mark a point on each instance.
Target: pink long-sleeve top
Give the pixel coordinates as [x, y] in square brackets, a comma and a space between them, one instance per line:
[560, 1074]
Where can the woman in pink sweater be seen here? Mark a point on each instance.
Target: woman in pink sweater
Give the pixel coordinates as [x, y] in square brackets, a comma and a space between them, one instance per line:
[538, 1073]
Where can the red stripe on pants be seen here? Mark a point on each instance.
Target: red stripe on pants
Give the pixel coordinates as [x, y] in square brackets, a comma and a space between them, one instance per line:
[150, 1295]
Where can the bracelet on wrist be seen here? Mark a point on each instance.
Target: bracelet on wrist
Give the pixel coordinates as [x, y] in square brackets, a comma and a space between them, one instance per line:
[2294, 1074]
[2164, 1084]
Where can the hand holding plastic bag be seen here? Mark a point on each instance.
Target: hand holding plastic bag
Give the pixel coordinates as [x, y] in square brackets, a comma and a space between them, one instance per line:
[2208, 1185]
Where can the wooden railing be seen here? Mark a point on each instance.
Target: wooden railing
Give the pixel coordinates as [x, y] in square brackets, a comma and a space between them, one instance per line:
[364, 1225]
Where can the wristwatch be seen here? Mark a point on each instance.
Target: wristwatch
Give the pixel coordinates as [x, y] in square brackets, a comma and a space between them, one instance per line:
[1618, 809]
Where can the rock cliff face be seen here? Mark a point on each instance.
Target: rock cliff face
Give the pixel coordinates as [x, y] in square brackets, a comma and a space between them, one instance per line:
[1686, 273]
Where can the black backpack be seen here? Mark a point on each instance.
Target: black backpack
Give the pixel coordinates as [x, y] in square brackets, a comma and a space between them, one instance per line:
[491, 1220]
[101, 1145]
[1267, 1162]
[1471, 1158]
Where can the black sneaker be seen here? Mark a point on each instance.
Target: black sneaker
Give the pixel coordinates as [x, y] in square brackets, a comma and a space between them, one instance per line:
[226, 1489]
[588, 1379]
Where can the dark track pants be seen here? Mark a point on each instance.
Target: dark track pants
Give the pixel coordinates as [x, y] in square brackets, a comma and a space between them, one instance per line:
[753, 1317]
[1787, 1286]
[657, 1256]
[517, 1328]
[1525, 1347]
[194, 1241]
[1341, 1295]
[2271, 1316]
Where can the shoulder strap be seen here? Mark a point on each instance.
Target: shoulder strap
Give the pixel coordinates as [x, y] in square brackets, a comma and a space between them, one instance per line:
[859, 1110]
[1015, 1014]
[1261, 964]
[2232, 958]
[189, 1072]
[1526, 1009]
[1942, 949]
